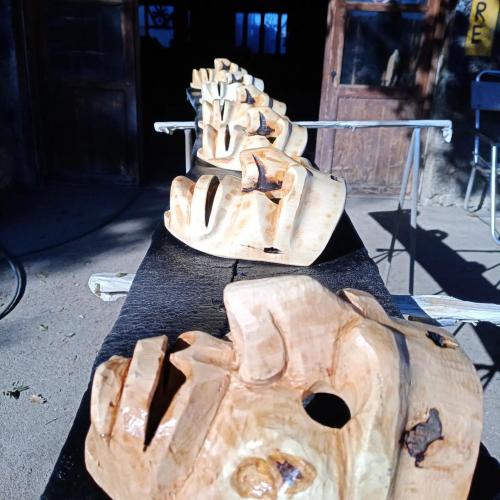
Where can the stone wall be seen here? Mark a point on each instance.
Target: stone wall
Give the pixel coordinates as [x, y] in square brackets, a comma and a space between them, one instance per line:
[447, 166]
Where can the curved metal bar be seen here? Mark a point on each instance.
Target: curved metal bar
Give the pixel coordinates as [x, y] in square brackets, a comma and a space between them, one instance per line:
[487, 72]
[493, 195]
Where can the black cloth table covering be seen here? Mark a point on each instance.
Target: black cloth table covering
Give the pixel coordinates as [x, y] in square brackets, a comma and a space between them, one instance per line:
[177, 289]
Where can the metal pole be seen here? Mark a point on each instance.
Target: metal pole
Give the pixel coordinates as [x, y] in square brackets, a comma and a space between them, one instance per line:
[493, 195]
[402, 195]
[406, 171]
[413, 213]
[188, 146]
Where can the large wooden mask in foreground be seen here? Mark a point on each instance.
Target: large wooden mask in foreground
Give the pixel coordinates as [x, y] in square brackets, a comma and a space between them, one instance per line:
[218, 419]
[280, 211]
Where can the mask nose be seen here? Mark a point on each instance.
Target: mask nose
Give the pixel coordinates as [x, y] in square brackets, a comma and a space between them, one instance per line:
[259, 175]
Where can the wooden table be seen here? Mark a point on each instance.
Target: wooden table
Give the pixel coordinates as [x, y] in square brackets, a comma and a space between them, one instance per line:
[178, 289]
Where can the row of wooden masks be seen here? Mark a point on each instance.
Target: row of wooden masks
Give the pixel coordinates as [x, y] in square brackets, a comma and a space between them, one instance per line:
[236, 426]
[281, 209]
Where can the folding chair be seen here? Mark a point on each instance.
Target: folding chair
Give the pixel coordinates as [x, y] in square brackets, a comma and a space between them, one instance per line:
[485, 96]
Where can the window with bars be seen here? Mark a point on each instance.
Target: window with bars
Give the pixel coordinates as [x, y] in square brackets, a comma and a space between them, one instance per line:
[261, 33]
[156, 21]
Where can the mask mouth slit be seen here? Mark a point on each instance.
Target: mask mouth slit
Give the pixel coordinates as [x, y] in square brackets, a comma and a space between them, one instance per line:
[209, 203]
[171, 380]
[227, 138]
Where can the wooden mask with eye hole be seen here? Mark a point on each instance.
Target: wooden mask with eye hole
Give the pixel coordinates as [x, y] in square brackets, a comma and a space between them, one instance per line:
[230, 128]
[280, 211]
[400, 417]
[224, 71]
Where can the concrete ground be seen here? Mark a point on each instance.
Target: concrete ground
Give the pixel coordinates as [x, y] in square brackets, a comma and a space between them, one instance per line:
[64, 233]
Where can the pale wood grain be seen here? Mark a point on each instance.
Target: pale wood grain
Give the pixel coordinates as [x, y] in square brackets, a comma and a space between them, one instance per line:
[237, 428]
[224, 71]
[448, 310]
[280, 211]
[240, 93]
[231, 127]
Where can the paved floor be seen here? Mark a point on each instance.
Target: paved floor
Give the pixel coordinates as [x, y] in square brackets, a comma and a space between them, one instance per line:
[49, 341]
[455, 256]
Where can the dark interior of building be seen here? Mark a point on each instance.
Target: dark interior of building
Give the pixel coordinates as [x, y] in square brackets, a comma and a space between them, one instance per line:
[98, 75]
[281, 42]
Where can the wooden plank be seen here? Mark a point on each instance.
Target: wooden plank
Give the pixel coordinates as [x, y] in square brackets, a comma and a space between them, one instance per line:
[334, 46]
[371, 160]
[447, 310]
[374, 101]
[110, 286]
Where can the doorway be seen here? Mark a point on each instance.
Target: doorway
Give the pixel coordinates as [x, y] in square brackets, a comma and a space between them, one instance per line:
[103, 71]
[379, 60]
[82, 71]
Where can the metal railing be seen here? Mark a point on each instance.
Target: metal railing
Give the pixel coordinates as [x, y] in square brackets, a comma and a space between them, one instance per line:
[444, 125]
[413, 164]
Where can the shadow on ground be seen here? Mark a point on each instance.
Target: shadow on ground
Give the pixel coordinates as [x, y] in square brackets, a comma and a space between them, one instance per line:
[456, 277]
[43, 219]
[62, 233]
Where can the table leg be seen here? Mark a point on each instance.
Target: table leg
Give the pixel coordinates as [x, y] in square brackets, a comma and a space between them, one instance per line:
[493, 195]
[414, 207]
[402, 195]
[188, 146]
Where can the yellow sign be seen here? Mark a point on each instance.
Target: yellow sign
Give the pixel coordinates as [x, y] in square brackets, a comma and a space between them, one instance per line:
[482, 24]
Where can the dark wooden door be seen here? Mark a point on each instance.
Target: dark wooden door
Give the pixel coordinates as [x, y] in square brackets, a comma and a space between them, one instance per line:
[378, 66]
[83, 65]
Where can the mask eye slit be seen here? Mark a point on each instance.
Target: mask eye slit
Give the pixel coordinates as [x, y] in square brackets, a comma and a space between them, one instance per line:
[221, 108]
[212, 189]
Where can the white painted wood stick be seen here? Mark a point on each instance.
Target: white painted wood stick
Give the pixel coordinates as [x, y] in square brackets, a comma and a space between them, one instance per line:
[111, 286]
[445, 125]
[447, 310]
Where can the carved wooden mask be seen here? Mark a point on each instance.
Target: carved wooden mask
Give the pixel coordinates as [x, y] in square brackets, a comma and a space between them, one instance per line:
[240, 93]
[232, 127]
[214, 419]
[280, 211]
[224, 71]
